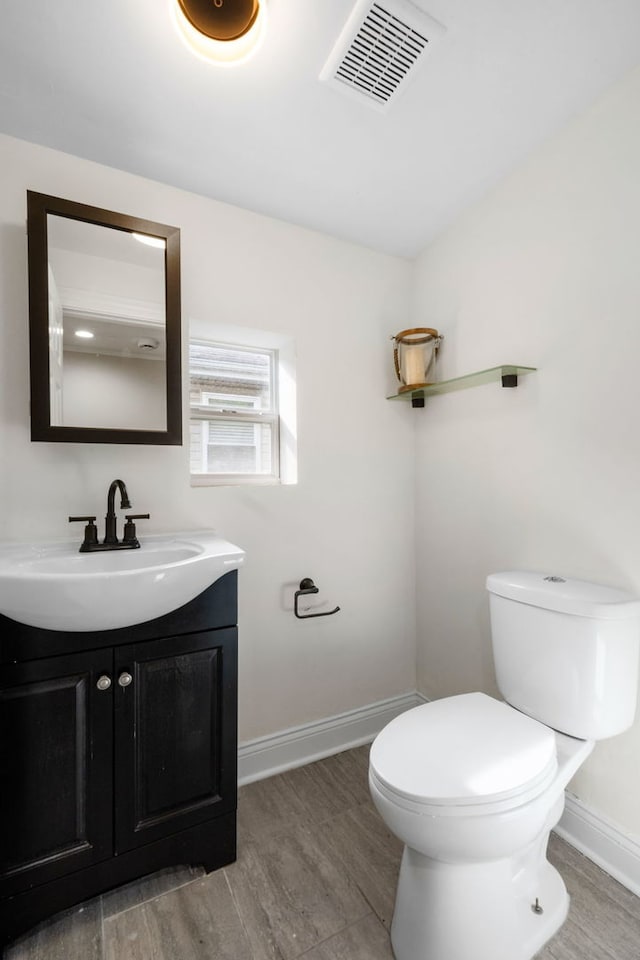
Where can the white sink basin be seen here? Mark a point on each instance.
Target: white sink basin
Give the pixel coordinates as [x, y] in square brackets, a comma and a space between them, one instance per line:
[54, 586]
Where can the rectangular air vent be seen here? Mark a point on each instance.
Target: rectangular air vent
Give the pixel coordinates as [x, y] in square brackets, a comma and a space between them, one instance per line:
[379, 50]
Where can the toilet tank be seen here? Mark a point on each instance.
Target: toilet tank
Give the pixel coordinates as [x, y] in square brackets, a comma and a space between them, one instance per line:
[566, 651]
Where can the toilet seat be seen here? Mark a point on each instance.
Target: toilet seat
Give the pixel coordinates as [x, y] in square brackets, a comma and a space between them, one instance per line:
[463, 755]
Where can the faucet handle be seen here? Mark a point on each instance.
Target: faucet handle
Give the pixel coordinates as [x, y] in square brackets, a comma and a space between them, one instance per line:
[90, 532]
[130, 537]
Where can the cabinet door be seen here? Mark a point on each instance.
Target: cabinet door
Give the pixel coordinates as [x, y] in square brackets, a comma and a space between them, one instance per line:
[176, 732]
[56, 734]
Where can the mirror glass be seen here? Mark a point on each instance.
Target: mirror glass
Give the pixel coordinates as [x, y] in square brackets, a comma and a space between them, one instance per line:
[105, 325]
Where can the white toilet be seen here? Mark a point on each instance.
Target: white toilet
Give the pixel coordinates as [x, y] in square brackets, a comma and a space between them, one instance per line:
[473, 785]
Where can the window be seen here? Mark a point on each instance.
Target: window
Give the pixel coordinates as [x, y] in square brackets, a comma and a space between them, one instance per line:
[234, 423]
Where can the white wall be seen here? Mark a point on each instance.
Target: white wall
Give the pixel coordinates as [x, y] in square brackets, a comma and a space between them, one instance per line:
[107, 391]
[348, 523]
[545, 272]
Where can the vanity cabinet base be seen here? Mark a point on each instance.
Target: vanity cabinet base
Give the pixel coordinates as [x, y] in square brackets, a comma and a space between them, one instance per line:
[211, 844]
[119, 754]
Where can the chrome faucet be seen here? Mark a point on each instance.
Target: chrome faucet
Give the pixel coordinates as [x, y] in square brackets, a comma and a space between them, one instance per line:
[111, 542]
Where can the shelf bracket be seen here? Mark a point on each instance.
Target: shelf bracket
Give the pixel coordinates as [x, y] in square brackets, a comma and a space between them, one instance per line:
[509, 379]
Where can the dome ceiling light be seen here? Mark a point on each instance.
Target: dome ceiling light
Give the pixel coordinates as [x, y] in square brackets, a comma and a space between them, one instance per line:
[221, 31]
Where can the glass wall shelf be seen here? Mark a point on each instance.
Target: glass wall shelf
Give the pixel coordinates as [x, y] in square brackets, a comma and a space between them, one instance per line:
[507, 373]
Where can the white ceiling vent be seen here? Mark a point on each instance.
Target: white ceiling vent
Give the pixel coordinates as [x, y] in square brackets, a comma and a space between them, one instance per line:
[379, 50]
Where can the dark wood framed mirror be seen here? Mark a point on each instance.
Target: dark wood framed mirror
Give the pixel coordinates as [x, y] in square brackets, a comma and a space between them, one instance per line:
[104, 325]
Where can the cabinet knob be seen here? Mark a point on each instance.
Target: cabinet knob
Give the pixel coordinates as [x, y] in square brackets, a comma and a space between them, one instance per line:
[104, 682]
[125, 679]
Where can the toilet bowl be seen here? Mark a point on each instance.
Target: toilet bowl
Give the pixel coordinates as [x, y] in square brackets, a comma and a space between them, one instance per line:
[473, 785]
[474, 808]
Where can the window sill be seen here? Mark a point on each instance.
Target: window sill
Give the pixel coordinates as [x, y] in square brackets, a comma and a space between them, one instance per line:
[231, 480]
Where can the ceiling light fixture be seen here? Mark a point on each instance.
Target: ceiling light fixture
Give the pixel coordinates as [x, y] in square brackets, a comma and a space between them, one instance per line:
[84, 334]
[224, 32]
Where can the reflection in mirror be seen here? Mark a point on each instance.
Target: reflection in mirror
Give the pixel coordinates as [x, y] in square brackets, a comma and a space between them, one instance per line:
[107, 342]
[105, 325]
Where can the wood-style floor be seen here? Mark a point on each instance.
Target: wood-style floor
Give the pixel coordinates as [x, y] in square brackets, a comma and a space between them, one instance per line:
[315, 878]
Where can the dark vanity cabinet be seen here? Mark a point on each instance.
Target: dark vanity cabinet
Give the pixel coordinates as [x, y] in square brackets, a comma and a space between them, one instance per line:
[118, 752]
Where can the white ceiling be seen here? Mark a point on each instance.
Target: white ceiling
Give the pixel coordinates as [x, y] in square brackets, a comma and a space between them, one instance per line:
[112, 82]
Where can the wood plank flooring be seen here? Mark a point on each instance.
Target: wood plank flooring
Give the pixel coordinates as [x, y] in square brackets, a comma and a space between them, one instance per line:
[315, 878]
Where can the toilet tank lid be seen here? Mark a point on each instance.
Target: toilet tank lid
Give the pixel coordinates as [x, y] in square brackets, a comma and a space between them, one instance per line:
[576, 597]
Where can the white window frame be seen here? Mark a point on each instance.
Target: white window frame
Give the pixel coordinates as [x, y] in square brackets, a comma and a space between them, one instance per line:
[217, 412]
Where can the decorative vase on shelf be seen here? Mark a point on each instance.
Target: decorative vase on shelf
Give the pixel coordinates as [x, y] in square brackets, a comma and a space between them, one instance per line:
[414, 355]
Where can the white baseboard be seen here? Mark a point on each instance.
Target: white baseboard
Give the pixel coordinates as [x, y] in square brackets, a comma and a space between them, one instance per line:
[590, 833]
[602, 842]
[296, 746]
